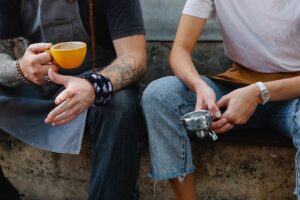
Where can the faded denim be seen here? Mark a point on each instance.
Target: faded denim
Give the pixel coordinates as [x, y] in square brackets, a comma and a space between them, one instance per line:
[167, 99]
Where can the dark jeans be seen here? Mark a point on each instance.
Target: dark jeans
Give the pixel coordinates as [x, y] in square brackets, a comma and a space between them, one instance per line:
[7, 190]
[114, 135]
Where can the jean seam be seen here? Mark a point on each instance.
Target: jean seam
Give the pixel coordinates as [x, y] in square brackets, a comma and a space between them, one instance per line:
[183, 153]
[294, 132]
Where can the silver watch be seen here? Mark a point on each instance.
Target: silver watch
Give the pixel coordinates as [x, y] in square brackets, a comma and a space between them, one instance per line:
[264, 92]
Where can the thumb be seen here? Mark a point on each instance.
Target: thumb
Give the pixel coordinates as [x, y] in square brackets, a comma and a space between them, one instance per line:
[39, 47]
[57, 78]
[213, 108]
[223, 102]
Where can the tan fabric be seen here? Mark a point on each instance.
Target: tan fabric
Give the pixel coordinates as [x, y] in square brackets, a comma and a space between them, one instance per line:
[239, 74]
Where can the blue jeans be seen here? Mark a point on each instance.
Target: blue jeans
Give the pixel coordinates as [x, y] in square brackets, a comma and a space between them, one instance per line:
[167, 99]
[114, 136]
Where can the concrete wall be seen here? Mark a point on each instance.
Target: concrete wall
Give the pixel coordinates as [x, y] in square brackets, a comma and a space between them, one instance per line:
[161, 20]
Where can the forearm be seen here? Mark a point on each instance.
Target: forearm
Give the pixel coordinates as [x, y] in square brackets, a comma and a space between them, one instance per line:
[125, 70]
[285, 89]
[184, 68]
[8, 72]
[189, 30]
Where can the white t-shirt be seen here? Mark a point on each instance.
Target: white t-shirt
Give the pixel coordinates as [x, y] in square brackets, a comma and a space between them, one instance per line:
[263, 35]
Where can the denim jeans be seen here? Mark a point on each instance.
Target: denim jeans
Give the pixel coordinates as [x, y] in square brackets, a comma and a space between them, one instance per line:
[166, 100]
[114, 136]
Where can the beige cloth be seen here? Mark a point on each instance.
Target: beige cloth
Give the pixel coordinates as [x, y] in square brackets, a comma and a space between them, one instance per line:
[239, 74]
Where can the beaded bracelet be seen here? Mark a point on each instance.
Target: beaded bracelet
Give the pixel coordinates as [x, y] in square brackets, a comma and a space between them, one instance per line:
[20, 74]
[102, 86]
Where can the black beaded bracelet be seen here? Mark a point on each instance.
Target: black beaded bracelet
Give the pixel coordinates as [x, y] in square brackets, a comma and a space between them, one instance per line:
[102, 86]
[20, 74]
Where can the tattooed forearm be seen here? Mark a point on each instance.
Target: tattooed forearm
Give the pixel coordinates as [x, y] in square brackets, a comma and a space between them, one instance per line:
[124, 71]
[8, 72]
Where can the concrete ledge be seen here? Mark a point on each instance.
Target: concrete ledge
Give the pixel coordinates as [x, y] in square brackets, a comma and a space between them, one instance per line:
[224, 171]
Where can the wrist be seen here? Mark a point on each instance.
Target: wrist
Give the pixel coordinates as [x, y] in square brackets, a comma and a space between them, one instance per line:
[264, 93]
[198, 85]
[103, 88]
[20, 72]
[255, 93]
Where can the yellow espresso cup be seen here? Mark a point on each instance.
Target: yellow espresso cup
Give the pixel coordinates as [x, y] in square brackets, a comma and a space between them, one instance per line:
[68, 55]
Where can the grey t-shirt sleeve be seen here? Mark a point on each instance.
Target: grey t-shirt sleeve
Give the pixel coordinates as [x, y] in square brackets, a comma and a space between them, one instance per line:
[199, 8]
[8, 71]
[124, 18]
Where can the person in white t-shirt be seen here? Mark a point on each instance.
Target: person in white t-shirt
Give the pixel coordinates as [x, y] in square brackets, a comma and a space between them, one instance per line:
[261, 88]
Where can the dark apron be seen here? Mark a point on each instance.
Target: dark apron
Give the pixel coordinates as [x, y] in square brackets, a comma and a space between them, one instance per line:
[23, 109]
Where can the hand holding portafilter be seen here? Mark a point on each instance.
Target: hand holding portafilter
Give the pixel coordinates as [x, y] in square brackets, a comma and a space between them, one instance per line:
[199, 121]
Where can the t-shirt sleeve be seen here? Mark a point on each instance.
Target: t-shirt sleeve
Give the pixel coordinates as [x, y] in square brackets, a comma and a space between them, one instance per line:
[199, 8]
[124, 18]
[10, 22]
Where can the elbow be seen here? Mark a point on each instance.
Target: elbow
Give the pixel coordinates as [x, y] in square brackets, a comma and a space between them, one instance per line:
[174, 56]
[142, 65]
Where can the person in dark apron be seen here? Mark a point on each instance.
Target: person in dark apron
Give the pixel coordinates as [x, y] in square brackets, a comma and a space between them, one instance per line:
[52, 115]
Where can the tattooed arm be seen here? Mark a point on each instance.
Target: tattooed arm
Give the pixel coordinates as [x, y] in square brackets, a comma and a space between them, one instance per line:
[79, 94]
[8, 72]
[130, 64]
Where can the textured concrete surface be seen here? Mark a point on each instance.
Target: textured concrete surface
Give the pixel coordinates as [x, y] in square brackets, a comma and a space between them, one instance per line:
[161, 19]
[234, 172]
[224, 171]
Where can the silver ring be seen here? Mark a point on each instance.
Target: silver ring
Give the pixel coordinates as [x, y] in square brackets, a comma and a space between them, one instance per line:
[47, 78]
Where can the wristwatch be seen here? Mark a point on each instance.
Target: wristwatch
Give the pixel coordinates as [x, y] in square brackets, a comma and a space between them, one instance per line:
[264, 92]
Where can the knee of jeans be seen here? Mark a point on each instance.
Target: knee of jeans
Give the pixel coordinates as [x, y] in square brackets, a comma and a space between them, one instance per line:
[160, 91]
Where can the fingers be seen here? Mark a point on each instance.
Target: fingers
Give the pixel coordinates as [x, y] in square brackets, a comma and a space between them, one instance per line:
[65, 121]
[218, 124]
[43, 70]
[221, 126]
[65, 112]
[43, 58]
[63, 96]
[57, 111]
[65, 116]
[57, 78]
[223, 102]
[39, 47]
[213, 108]
[199, 104]
[224, 128]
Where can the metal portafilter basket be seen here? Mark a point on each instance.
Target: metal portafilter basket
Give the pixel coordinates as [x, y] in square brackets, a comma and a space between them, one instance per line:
[199, 121]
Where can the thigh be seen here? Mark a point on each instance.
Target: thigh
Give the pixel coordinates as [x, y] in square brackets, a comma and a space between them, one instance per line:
[283, 117]
[115, 135]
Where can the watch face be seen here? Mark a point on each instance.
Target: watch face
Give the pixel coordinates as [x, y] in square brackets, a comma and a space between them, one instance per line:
[265, 95]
